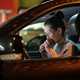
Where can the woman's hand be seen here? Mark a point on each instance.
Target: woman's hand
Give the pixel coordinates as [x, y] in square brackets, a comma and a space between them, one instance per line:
[42, 48]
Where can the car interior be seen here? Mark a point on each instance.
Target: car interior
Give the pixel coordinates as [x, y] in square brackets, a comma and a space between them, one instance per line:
[32, 36]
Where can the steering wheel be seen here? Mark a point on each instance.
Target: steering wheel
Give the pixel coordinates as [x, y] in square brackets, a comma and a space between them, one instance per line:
[33, 46]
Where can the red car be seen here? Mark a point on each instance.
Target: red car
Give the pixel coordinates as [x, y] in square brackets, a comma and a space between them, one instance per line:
[20, 40]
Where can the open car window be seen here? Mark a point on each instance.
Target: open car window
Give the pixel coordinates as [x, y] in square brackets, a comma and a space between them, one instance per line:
[32, 35]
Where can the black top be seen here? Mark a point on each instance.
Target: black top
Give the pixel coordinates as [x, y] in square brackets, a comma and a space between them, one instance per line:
[75, 40]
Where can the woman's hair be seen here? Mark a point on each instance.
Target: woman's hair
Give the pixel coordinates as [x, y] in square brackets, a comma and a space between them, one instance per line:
[77, 24]
[56, 21]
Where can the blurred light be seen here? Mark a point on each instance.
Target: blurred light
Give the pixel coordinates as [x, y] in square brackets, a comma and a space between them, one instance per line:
[34, 26]
[25, 43]
[13, 49]
[14, 38]
[10, 43]
[25, 33]
[47, 1]
[22, 41]
[41, 34]
[20, 34]
[2, 48]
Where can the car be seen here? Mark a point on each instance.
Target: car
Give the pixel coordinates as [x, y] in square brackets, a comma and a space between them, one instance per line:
[20, 40]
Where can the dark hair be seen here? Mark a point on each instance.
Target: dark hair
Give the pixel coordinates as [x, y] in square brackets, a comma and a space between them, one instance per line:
[77, 24]
[56, 21]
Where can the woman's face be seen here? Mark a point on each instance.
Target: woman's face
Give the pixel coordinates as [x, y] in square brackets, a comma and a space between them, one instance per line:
[53, 34]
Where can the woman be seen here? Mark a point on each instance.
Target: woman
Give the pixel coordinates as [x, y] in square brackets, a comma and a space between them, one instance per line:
[54, 29]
